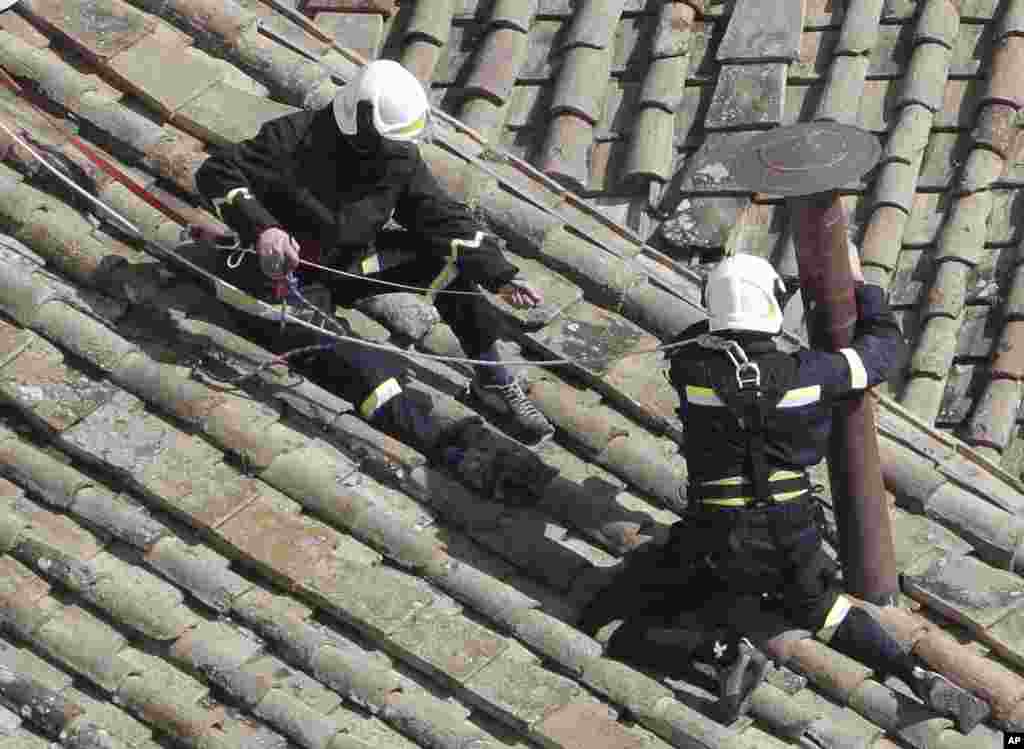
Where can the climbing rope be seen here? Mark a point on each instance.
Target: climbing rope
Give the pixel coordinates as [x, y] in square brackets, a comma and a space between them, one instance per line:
[269, 312]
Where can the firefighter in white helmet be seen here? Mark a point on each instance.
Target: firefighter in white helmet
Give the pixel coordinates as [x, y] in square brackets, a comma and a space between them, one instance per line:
[759, 418]
[321, 185]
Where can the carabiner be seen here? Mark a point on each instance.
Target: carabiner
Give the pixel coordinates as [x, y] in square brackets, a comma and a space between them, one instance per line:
[748, 375]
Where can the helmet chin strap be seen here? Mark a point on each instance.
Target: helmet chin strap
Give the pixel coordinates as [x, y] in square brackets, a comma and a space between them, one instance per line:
[366, 139]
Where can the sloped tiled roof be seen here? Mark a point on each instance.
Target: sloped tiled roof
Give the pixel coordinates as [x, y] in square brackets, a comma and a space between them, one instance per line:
[190, 563]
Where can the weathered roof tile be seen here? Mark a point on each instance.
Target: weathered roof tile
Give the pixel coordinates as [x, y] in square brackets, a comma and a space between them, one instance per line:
[581, 84]
[649, 154]
[431, 21]
[593, 24]
[759, 32]
[948, 291]
[496, 64]
[107, 29]
[747, 96]
[673, 30]
[361, 32]
[664, 84]
[314, 7]
[841, 100]
[1007, 61]
[514, 14]
[995, 417]
[565, 153]
[925, 79]
[939, 21]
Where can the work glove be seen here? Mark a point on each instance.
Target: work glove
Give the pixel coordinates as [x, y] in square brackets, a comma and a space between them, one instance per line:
[520, 293]
[278, 251]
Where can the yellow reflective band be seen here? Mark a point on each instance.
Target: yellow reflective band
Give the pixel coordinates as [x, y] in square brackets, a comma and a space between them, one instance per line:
[238, 192]
[838, 612]
[801, 397]
[743, 501]
[370, 264]
[380, 395]
[701, 396]
[778, 475]
[450, 271]
[731, 481]
[412, 128]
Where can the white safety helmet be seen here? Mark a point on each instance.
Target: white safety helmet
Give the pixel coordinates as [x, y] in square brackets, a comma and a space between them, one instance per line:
[399, 103]
[742, 293]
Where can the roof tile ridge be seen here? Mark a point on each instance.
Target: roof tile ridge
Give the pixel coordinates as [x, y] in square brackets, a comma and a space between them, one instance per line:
[115, 356]
[495, 66]
[55, 715]
[962, 235]
[908, 139]
[174, 166]
[651, 142]
[216, 649]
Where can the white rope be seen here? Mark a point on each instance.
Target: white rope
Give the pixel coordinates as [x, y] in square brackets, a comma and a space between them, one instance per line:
[71, 183]
[368, 279]
[273, 312]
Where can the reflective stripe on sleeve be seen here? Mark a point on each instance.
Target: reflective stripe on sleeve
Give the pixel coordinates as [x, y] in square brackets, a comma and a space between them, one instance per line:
[797, 397]
[702, 396]
[380, 395]
[858, 374]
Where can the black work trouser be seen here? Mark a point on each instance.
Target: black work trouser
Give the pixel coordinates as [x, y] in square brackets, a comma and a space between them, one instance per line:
[716, 559]
[352, 370]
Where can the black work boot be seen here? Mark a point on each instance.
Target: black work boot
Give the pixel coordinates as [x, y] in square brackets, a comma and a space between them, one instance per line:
[946, 698]
[862, 638]
[496, 466]
[738, 679]
[501, 392]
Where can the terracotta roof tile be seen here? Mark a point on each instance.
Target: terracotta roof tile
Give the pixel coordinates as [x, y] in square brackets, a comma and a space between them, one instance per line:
[543, 37]
[431, 21]
[649, 154]
[360, 32]
[581, 83]
[315, 7]
[420, 57]
[845, 98]
[496, 64]
[980, 331]
[672, 35]
[565, 153]
[759, 33]
[104, 32]
[514, 14]
[593, 24]
[921, 219]
[925, 78]
[21, 28]
[747, 96]
[663, 85]
[995, 417]
[974, 45]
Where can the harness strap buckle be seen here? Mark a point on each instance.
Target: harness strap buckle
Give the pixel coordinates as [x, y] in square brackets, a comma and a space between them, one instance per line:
[748, 375]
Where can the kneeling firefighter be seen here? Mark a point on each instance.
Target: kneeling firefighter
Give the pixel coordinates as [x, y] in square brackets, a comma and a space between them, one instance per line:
[320, 186]
[759, 418]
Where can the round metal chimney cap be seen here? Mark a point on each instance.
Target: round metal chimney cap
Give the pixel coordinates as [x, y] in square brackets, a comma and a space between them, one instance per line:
[805, 159]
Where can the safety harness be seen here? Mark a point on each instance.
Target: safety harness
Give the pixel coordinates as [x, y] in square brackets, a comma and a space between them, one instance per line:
[751, 405]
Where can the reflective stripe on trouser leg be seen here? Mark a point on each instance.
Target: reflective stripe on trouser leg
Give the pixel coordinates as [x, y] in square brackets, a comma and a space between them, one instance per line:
[834, 618]
[378, 397]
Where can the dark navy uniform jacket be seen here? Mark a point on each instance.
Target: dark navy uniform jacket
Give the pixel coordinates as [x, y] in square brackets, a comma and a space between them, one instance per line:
[807, 384]
[300, 173]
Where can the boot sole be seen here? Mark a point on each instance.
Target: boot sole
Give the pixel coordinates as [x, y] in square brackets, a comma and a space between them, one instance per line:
[965, 708]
